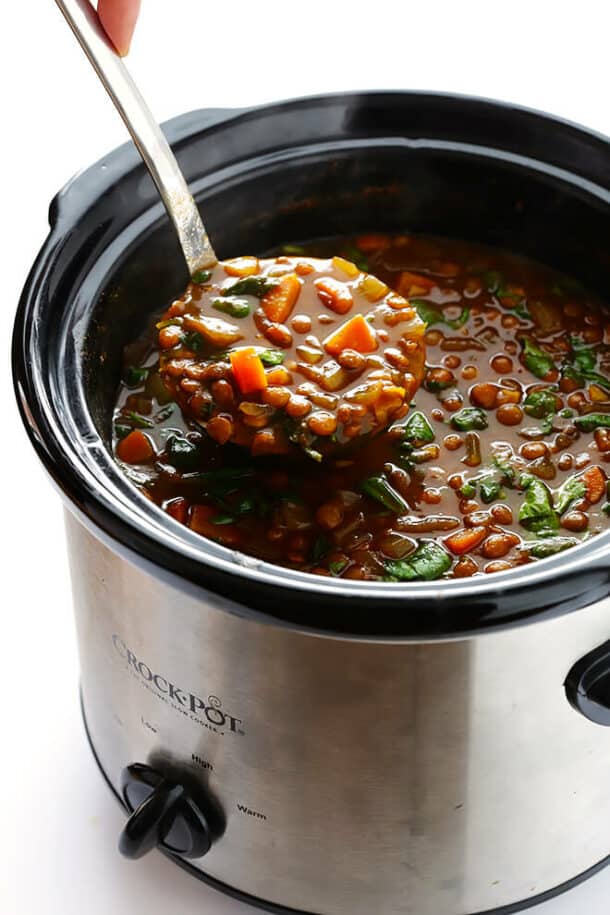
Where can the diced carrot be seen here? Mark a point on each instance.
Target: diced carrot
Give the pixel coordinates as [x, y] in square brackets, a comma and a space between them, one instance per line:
[279, 301]
[241, 266]
[372, 242]
[248, 370]
[411, 284]
[355, 334]
[201, 522]
[346, 267]
[278, 376]
[335, 295]
[463, 541]
[169, 336]
[200, 514]
[177, 308]
[594, 479]
[373, 288]
[135, 448]
[178, 509]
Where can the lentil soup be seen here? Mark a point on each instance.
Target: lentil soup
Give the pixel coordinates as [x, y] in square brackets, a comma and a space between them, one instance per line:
[501, 459]
[315, 355]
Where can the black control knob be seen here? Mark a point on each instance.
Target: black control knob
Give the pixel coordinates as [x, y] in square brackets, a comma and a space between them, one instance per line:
[588, 685]
[164, 813]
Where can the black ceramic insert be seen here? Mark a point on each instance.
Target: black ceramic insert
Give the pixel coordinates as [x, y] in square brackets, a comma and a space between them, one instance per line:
[414, 162]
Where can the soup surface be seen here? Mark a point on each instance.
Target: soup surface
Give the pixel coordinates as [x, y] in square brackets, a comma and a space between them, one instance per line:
[501, 460]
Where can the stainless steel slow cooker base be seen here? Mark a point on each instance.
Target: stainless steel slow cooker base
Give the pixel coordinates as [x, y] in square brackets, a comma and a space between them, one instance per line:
[282, 910]
[420, 777]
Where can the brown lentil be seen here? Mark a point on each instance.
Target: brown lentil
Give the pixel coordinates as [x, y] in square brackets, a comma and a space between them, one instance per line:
[453, 402]
[509, 414]
[498, 545]
[532, 450]
[498, 565]
[220, 428]
[501, 364]
[433, 337]
[355, 362]
[223, 393]
[602, 439]
[502, 514]
[575, 521]
[452, 442]
[581, 460]
[301, 324]
[276, 396]
[465, 567]
[484, 395]
[440, 377]
[297, 407]
[322, 423]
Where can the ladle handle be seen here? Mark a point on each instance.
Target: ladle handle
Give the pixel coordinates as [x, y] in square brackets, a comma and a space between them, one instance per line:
[146, 133]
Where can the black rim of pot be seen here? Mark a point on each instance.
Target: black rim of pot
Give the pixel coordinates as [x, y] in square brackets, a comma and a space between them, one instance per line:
[148, 536]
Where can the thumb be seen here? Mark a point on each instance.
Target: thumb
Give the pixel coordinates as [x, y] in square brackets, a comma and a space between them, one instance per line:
[119, 17]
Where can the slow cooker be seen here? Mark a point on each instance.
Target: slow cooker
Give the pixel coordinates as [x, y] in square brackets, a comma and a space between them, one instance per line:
[314, 745]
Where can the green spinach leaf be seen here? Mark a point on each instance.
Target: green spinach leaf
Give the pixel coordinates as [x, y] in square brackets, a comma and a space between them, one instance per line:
[540, 404]
[431, 314]
[251, 285]
[542, 548]
[233, 306]
[536, 360]
[536, 512]
[429, 561]
[469, 418]
[202, 276]
[591, 421]
[271, 357]
[489, 489]
[378, 488]
[417, 430]
[570, 490]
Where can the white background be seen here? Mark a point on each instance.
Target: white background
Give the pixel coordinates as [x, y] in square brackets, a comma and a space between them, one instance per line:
[58, 825]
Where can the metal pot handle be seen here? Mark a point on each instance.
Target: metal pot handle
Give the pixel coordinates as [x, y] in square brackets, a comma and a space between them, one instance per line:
[588, 685]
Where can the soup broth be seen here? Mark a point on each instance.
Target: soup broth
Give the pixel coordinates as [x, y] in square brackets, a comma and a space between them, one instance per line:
[502, 458]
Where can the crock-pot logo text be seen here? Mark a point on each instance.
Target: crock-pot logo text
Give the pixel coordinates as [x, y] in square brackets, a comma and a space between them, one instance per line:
[206, 712]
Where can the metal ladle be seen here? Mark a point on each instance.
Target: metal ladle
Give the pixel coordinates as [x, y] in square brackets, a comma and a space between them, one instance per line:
[161, 163]
[146, 133]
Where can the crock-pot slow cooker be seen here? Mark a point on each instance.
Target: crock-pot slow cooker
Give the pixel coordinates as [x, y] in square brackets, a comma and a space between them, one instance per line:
[324, 746]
